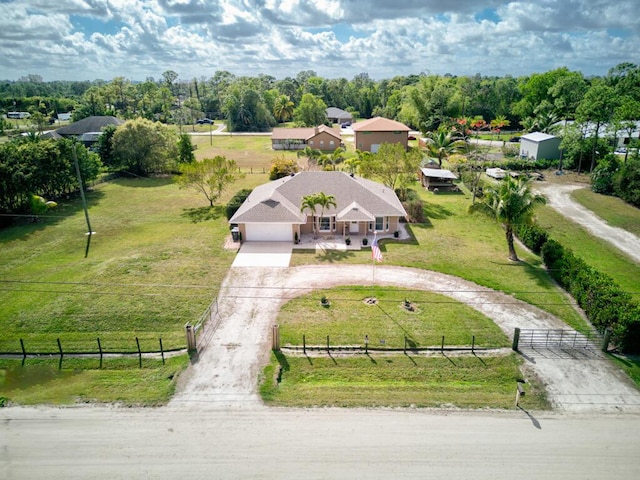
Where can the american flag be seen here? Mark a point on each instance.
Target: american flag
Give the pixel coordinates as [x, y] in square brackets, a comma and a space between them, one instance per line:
[376, 254]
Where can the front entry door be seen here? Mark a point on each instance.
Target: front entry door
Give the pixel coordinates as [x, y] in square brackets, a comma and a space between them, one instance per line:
[354, 227]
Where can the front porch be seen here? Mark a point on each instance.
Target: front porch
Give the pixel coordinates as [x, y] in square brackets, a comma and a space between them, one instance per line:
[338, 242]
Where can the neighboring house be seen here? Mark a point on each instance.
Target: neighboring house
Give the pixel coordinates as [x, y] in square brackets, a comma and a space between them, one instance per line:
[337, 115]
[64, 117]
[437, 179]
[370, 134]
[18, 115]
[623, 135]
[272, 211]
[88, 129]
[320, 138]
[538, 146]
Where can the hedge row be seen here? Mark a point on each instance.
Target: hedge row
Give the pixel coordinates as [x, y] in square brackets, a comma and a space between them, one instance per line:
[602, 300]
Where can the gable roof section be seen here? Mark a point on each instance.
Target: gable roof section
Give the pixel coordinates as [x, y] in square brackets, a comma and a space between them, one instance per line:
[267, 205]
[380, 124]
[335, 112]
[302, 133]
[89, 124]
[357, 198]
[438, 173]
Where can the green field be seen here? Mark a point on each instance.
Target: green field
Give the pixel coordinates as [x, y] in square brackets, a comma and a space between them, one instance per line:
[348, 319]
[398, 381]
[615, 211]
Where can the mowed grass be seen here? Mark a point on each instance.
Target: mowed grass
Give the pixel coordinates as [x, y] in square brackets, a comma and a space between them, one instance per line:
[596, 252]
[155, 262]
[397, 381]
[615, 211]
[472, 247]
[349, 318]
[117, 380]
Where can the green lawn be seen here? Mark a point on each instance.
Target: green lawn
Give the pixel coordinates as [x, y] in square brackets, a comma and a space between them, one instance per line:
[348, 319]
[613, 210]
[397, 381]
[594, 251]
[468, 246]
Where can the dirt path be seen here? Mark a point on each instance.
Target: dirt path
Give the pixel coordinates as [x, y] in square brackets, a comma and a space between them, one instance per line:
[227, 373]
[559, 198]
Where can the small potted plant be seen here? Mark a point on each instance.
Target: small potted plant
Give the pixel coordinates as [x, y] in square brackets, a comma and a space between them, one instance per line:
[365, 241]
[396, 234]
[347, 241]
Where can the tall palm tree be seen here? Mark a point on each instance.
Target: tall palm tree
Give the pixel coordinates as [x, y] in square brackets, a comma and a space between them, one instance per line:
[511, 203]
[441, 144]
[312, 155]
[325, 201]
[330, 160]
[310, 202]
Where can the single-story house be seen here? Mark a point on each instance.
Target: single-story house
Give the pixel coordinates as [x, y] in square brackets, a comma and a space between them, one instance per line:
[538, 145]
[320, 138]
[370, 134]
[272, 212]
[437, 178]
[64, 117]
[337, 115]
[90, 125]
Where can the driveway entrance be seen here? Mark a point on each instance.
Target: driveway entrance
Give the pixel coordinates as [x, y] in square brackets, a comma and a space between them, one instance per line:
[264, 254]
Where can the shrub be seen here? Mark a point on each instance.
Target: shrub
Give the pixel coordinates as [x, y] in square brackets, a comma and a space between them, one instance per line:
[603, 175]
[532, 236]
[602, 300]
[235, 202]
[627, 181]
[415, 211]
[281, 167]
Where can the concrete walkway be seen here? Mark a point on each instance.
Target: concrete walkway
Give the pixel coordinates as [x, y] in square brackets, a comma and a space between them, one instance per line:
[264, 254]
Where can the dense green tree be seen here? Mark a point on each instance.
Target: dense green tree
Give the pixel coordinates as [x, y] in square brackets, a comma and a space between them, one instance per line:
[511, 203]
[143, 147]
[311, 112]
[185, 149]
[283, 108]
[597, 108]
[392, 165]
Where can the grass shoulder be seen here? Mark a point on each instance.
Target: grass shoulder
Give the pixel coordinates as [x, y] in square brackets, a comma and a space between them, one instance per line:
[615, 211]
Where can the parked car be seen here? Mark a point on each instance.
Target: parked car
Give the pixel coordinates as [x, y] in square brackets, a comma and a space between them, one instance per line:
[205, 121]
[345, 124]
[514, 139]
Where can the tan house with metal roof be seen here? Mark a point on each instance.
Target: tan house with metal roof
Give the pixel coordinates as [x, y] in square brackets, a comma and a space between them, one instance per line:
[272, 211]
[320, 138]
[370, 134]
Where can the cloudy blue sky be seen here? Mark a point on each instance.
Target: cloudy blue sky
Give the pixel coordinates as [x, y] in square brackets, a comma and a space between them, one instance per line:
[102, 39]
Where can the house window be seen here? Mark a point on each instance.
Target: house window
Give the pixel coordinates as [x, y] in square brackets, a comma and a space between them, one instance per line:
[331, 143]
[387, 229]
[325, 224]
[379, 224]
[310, 142]
[322, 143]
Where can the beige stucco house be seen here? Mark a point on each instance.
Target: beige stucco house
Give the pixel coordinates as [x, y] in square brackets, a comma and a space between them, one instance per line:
[370, 134]
[320, 138]
[363, 207]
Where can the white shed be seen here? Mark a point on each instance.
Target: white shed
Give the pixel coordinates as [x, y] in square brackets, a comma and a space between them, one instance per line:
[538, 145]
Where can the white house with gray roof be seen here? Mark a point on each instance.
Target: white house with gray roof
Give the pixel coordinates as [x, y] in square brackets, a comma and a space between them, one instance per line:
[272, 211]
[538, 145]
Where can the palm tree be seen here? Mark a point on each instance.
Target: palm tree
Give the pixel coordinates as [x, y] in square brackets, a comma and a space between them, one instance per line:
[312, 155]
[511, 203]
[283, 108]
[330, 160]
[325, 201]
[310, 202]
[441, 144]
[499, 122]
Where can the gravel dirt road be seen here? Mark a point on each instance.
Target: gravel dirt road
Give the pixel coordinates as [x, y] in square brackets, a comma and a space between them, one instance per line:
[559, 198]
[114, 443]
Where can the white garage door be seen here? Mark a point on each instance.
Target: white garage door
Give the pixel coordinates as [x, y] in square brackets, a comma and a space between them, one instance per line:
[268, 232]
[375, 147]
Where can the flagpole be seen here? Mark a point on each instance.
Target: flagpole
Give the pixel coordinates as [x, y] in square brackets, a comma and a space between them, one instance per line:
[373, 260]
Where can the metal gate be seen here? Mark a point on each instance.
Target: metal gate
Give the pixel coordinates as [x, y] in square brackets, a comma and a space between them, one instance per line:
[199, 335]
[561, 339]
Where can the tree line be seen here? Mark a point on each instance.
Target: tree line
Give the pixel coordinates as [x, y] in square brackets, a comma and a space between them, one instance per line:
[423, 101]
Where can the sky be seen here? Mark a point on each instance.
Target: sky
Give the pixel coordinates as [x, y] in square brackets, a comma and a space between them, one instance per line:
[138, 39]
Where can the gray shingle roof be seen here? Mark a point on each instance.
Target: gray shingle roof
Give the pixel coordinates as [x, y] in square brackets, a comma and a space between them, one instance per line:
[279, 201]
[89, 124]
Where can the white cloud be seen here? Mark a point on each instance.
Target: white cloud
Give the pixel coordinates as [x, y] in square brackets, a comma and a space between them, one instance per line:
[136, 39]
